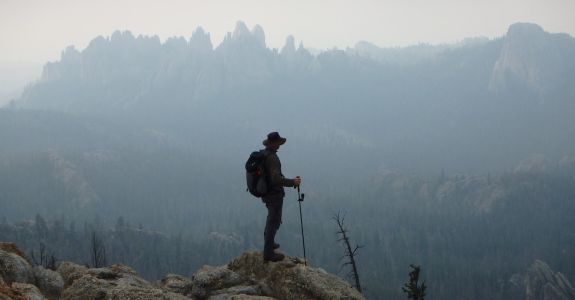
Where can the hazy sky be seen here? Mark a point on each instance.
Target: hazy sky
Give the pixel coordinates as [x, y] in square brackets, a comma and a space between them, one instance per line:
[37, 30]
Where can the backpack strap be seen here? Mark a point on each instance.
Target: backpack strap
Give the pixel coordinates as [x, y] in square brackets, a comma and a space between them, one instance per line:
[265, 165]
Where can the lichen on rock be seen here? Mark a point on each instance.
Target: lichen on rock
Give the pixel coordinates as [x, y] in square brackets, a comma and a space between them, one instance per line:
[114, 282]
[15, 268]
[209, 279]
[28, 291]
[49, 282]
[177, 284]
[290, 279]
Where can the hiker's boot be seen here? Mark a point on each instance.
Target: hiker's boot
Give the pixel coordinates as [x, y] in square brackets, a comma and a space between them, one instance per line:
[276, 246]
[274, 257]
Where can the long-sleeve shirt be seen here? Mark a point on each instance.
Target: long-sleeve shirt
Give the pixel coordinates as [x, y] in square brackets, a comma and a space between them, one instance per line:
[276, 180]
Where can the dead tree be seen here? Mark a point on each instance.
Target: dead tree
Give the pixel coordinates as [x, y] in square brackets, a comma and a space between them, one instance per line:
[350, 254]
[97, 251]
[412, 288]
[44, 258]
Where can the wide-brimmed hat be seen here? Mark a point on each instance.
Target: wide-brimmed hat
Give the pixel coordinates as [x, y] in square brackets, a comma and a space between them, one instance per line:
[274, 138]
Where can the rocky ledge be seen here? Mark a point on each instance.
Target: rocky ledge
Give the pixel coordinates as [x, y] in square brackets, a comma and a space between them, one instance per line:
[247, 277]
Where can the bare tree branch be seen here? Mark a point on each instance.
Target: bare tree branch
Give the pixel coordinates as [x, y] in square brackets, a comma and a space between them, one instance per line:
[97, 252]
[45, 258]
[349, 254]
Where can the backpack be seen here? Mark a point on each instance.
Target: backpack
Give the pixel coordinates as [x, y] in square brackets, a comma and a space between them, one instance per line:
[256, 174]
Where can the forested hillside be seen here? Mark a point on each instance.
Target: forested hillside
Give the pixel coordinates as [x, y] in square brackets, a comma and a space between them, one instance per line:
[471, 234]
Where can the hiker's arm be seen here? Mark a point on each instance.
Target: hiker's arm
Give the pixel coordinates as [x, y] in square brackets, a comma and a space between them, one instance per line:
[276, 176]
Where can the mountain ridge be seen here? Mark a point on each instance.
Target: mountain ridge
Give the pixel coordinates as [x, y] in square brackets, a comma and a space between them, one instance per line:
[471, 99]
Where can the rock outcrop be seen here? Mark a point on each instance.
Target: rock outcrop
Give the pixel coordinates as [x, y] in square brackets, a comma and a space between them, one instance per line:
[245, 278]
[27, 291]
[290, 279]
[113, 282]
[177, 284]
[16, 275]
[49, 282]
[540, 282]
[248, 277]
[534, 59]
[14, 267]
[19, 280]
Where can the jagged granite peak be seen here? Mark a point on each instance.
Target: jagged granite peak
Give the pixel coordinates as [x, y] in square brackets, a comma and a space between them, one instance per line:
[70, 54]
[289, 47]
[200, 33]
[97, 42]
[241, 30]
[533, 59]
[70, 59]
[304, 52]
[245, 38]
[119, 40]
[122, 36]
[259, 34]
[201, 40]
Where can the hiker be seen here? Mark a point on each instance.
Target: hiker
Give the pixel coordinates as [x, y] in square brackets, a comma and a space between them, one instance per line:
[275, 195]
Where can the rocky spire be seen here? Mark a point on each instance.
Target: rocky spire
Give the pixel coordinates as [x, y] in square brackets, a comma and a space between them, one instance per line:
[289, 47]
[243, 38]
[121, 37]
[302, 51]
[241, 31]
[258, 33]
[70, 55]
[201, 41]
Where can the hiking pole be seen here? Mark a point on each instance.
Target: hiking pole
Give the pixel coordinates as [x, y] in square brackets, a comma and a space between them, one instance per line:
[300, 200]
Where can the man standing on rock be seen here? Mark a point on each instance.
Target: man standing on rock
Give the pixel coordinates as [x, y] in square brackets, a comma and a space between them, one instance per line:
[275, 196]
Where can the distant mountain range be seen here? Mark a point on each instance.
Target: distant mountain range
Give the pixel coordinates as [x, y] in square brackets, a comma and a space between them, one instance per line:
[141, 111]
[477, 105]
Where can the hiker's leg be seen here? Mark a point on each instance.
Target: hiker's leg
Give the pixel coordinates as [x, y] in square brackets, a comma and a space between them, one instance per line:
[273, 222]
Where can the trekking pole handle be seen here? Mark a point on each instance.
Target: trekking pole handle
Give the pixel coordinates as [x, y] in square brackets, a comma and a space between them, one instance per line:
[301, 196]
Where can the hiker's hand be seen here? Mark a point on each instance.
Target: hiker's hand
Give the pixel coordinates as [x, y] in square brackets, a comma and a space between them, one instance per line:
[297, 181]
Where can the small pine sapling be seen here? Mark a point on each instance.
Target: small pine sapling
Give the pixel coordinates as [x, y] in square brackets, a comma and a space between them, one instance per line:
[412, 288]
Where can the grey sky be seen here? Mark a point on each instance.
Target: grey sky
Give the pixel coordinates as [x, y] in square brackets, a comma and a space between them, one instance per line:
[37, 30]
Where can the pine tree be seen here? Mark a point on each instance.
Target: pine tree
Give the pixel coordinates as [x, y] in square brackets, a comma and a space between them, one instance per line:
[412, 288]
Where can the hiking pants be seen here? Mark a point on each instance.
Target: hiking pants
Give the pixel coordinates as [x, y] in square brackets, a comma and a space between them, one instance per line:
[273, 222]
